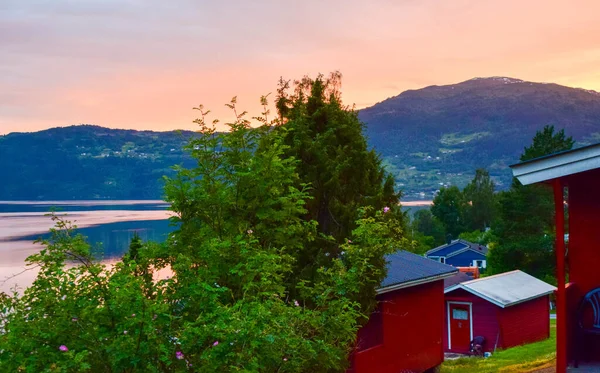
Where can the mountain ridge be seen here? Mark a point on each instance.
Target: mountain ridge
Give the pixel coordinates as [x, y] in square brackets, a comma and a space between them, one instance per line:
[428, 138]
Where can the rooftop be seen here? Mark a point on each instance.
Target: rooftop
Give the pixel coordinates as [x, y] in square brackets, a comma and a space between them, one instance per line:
[406, 269]
[506, 289]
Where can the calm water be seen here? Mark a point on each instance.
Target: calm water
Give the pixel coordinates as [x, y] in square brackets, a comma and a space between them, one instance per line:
[111, 237]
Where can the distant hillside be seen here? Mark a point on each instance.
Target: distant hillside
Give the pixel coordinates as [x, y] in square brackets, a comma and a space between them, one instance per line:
[88, 162]
[429, 137]
[439, 135]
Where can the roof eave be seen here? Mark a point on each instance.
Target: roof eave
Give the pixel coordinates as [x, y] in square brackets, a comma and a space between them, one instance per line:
[557, 165]
[493, 301]
[412, 283]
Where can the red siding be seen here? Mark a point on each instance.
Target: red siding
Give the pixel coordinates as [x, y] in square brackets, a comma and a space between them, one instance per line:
[412, 332]
[584, 240]
[512, 326]
[526, 322]
[485, 318]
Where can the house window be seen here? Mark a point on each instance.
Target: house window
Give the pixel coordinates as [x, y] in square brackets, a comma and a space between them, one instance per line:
[442, 260]
[460, 314]
[479, 263]
[371, 334]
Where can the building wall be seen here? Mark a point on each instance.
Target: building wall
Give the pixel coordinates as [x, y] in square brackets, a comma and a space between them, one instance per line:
[526, 322]
[485, 319]
[412, 332]
[583, 260]
[465, 259]
[504, 327]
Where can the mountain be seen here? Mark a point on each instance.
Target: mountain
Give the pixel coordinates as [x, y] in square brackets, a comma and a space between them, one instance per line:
[88, 162]
[439, 135]
[427, 138]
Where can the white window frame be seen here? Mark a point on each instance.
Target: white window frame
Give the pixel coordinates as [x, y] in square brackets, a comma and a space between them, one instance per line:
[470, 320]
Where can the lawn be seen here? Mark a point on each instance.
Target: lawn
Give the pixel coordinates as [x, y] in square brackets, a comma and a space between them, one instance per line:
[519, 359]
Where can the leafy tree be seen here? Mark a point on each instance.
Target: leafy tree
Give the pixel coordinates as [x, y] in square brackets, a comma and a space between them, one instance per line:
[482, 207]
[327, 139]
[449, 207]
[427, 229]
[525, 228]
[232, 303]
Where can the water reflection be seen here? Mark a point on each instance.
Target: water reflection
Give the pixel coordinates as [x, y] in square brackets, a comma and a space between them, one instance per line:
[112, 240]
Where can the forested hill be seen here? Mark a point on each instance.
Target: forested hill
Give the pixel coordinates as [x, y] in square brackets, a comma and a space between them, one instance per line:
[440, 134]
[88, 162]
[429, 137]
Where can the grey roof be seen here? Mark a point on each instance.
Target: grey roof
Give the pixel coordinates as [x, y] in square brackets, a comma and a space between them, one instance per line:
[460, 245]
[506, 289]
[456, 279]
[407, 269]
[558, 165]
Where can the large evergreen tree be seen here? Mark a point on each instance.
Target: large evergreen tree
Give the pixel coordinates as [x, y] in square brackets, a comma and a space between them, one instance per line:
[525, 228]
[344, 175]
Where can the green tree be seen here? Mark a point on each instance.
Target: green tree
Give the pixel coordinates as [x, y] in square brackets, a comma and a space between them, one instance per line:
[231, 303]
[525, 227]
[327, 139]
[482, 207]
[449, 207]
[429, 226]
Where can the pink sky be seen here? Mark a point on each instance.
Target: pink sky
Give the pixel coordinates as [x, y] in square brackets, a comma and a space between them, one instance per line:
[144, 64]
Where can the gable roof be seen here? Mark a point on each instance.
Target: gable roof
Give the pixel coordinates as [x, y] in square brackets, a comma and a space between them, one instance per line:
[407, 269]
[558, 165]
[454, 246]
[506, 289]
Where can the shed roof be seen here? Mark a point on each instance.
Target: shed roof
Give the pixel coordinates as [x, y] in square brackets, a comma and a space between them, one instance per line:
[457, 245]
[506, 289]
[407, 269]
[558, 165]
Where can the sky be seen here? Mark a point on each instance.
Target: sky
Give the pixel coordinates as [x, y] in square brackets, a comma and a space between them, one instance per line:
[144, 64]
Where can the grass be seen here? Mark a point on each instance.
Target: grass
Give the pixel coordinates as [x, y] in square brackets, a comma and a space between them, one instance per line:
[520, 359]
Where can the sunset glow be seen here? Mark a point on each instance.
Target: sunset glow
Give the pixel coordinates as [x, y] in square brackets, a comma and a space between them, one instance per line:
[145, 64]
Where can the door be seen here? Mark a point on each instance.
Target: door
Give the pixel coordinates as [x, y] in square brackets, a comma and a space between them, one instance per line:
[459, 317]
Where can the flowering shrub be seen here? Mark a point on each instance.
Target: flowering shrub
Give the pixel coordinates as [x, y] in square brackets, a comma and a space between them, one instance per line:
[228, 305]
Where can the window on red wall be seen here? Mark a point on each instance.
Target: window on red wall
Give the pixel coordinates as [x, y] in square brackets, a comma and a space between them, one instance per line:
[371, 334]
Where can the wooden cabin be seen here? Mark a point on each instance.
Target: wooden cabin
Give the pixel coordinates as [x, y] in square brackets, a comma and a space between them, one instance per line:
[405, 332]
[508, 309]
[575, 177]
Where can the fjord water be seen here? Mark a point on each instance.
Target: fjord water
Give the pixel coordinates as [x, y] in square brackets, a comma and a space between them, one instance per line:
[108, 225]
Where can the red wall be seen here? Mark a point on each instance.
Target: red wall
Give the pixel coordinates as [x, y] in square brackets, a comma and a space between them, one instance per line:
[412, 332]
[583, 260]
[526, 322]
[515, 325]
[485, 318]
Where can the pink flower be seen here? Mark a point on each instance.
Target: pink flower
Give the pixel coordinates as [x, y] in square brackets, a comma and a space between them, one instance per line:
[285, 359]
[133, 315]
[124, 331]
[386, 210]
[216, 343]
[179, 355]
[63, 348]
[296, 303]
[250, 231]
[74, 319]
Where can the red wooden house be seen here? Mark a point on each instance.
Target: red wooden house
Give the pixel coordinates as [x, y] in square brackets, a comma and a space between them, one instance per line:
[508, 309]
[575, 178]
[405, 333]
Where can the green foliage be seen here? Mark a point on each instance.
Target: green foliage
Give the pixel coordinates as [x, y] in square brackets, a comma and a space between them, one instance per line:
[238, 300]
[482, 208]
[487, 238]
[427, 231]
[525, 227]
[449, 208]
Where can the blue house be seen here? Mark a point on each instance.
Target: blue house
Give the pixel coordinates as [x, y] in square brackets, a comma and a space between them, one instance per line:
[460, 253]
